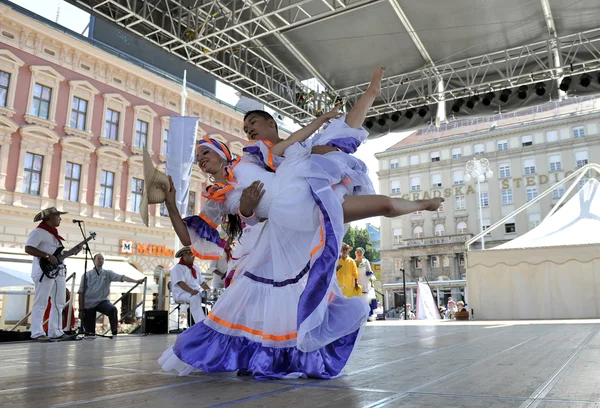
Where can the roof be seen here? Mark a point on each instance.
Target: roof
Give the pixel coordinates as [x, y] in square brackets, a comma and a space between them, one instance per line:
[576, 223]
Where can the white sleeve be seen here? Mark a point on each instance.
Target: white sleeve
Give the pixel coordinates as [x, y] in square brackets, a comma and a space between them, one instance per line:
[34, 239]
[176, 275]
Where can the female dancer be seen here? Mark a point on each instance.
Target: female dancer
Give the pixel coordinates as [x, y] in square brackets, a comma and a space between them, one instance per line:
[284, 316]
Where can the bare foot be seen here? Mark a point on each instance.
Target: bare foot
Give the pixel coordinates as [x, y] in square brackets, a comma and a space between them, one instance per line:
[433, 204]
[376, 78]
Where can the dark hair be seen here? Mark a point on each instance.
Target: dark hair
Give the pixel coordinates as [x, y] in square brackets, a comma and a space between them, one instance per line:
[234, 228]
[263, 114]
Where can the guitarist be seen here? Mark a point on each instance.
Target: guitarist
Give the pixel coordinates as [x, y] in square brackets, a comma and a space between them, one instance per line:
[43, 242]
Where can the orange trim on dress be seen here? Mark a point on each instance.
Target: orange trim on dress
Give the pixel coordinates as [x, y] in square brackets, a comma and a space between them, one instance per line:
[206, 220]
[255, 332]
[205, 257]
[321, 243]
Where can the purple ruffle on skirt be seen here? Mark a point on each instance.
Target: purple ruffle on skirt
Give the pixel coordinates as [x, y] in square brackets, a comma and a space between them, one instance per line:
[203, 230]
[210, 351]
[348, 145]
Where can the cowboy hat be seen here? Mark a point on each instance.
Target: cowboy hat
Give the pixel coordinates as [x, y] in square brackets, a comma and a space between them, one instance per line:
[152, 194]
[182, 251]
[42, 215]
[346, 246]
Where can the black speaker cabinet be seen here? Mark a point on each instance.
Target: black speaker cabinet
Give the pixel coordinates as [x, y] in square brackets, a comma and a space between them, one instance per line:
[156, 322]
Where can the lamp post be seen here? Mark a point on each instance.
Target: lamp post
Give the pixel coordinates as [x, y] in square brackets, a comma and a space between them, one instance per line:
[479, 169]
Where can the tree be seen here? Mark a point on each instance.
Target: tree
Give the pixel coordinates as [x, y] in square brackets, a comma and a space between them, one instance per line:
[359, 237]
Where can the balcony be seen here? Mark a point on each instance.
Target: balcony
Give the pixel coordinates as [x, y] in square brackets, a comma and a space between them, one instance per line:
[429, 241]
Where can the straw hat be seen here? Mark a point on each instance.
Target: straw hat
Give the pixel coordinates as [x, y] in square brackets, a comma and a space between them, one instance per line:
[42, 215]
[182, 251]
[153, 179]
[346, 246]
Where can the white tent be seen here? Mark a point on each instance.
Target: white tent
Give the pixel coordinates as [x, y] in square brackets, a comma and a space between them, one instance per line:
[10, 277]
[552, 272]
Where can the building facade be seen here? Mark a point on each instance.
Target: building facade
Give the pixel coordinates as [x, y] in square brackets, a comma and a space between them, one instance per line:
[528, 153]
[74, 121]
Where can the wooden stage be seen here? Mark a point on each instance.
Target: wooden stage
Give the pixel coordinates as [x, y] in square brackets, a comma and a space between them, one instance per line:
[448, 364]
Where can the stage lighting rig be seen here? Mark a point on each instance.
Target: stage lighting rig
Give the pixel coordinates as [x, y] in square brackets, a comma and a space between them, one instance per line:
[565, 84]
[383, 119]
[396, 116]
[504, 95]
[540, 89]
[522, 93]
[410, 113]
[423, 111]
[473, 100]
[585, 80]
[458, 103]
[488, 98]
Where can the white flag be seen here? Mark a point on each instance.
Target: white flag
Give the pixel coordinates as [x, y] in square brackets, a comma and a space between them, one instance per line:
[181, 149]
[427, 308]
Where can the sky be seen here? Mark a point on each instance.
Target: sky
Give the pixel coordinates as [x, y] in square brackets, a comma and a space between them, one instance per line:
[77, 20]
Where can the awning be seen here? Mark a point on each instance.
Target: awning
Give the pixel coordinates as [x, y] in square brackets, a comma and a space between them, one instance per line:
[12, 277]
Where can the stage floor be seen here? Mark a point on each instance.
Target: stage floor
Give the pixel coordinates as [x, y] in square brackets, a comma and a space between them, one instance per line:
[449, 364]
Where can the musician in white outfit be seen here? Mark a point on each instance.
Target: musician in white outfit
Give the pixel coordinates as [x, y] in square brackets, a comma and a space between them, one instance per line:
[187, 282]
[43, 242]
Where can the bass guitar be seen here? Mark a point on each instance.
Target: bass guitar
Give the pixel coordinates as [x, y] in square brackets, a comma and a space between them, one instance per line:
[53, 270]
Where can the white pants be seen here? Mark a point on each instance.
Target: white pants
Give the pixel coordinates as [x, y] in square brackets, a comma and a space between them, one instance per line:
[56, 290]
[195, 304]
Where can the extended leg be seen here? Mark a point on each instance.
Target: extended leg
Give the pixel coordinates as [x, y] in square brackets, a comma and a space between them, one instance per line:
[358, 113]
[359, 207]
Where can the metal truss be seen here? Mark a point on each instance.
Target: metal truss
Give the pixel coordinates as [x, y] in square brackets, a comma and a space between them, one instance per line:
[510, 68]
[221, 37]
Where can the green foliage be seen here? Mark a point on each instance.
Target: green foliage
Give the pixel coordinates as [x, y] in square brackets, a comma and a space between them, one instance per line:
[359, 237]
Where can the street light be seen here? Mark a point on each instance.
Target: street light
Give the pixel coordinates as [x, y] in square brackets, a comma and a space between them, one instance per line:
[479, 169]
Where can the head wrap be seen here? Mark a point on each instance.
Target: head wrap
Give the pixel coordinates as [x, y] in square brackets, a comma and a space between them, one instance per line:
[361, 249]
[220, 148]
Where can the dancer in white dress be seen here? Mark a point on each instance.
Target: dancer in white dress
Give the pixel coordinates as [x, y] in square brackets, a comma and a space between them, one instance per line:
[284, 316]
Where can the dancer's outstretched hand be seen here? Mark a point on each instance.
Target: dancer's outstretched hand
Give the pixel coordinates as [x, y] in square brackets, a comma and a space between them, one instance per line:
[170, 192]
[334, 113]
[251, 197]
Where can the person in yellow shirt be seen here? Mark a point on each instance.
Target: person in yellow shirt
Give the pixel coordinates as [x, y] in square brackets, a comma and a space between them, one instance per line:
[347, 274]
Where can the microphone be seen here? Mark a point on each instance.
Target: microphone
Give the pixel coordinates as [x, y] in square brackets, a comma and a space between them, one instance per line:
[77, 221]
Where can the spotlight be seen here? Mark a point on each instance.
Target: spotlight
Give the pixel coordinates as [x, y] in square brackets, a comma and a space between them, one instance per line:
[487, 99]
[457, 105]
[540, 89]
[504, 95]
[565, 84]
[585, 80]
[522, 94]
[369, 123]
[423, 111]
[473, 100]
[396, 116]
[410, 113]
[383, 119]
[599, 77]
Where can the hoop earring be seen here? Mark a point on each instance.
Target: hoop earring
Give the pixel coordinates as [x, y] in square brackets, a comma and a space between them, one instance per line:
[212, 179]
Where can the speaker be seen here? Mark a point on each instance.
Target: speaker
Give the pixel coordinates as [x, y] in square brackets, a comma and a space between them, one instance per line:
[156, 322]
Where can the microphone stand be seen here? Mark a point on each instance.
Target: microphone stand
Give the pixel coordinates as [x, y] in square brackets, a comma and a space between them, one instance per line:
[87, 251]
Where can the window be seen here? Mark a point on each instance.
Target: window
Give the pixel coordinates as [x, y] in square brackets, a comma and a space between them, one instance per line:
[486, 226]
[418, 232]
[507, 196]
[484, 200]
[460, 202]
[461, 228]
[440, 231]
[457, 153]
[395, 186]
[137, 189]
[393, 162]
[458, 177]
[479, 148]
[578, 131]
[435, 262]
[558, 193]
[529, 166]
[581, 158]
[107, 185]
[436, 180]
[555, 164]
[4, 83]
[551, 136]
[509, 228]
[414, 160]
[526, 140]
[446, 261]
[32, 174]
[415, 183]
[534, 220]
[191, 210]
[502, 145]
[72, 181]
[399, 264]
[418, 263]
[111, 126]
[163, 210]
[78, 113]
[435, 156]
[40, 107]
[461, 260]
[141, 134]
[531, 193]
[397, 236]
[505, 170]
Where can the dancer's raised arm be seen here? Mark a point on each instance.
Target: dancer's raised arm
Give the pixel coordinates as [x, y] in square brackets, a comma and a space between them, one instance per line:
[178, 225]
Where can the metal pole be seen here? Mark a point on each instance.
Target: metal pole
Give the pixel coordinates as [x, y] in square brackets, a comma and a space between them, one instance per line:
[70, 313]
[161, 289]
[144, 305]
[404, 291]
[480, 212]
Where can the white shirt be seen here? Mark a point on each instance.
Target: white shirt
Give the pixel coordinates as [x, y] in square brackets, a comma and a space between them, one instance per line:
[45, 242]
[181, 273]
[364, 280]
[218, 282]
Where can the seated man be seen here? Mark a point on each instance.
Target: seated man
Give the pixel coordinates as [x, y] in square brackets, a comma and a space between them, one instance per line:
[97, 289]
[186, 281]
